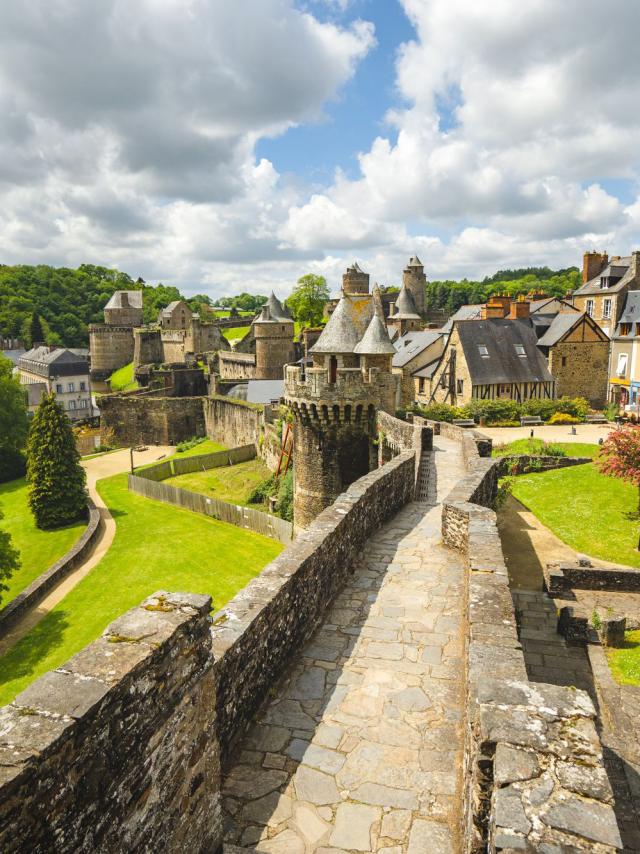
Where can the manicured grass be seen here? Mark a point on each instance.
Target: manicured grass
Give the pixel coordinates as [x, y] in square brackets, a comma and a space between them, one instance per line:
[229, 483]
[156, 547]
[38, 549]
[536, 446]
[233, 333]
[206, 447]
[122, 379]
[592, 513]
[625, 662]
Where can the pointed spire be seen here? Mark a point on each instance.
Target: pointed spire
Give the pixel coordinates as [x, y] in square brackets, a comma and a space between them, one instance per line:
[375, 340]
[405, 306]
[377, 301]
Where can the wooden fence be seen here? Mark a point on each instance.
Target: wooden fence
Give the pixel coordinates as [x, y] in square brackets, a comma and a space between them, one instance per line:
[148, 482]
[243, 517]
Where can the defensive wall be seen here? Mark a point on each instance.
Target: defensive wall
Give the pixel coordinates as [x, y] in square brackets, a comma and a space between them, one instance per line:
[150, 417]
[121, 747]
[232, 422]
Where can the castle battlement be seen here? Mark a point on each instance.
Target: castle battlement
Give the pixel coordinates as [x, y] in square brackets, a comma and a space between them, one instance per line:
[352, 385]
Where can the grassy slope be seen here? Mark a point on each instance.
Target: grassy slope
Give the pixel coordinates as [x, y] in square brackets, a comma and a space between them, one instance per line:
[586, 510]
[38, 549]
[524, 446]
[157, 547]
[625, 662]
[234, 333]
[122, 379]
[229, 483]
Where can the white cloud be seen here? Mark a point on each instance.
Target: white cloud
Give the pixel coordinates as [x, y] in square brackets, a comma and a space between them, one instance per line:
[128, 137]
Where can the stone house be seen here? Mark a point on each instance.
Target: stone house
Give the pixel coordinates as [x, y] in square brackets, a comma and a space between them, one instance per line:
[606, 282]
[417, 354]
[490, 359]
[179, 332]
[46, 369]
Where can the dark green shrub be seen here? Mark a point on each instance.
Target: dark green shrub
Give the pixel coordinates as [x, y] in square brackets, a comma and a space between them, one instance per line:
[189, 443]
[57, 494]
[12, 465]
[260, 493]
[439, 412]
[284, 501]
[492, 410]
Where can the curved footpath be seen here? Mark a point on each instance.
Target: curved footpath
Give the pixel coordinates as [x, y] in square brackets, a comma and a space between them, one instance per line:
[97, 469]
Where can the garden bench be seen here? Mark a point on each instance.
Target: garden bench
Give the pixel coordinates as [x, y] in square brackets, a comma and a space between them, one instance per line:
[530, 420]
[596, 418]
[464, 422]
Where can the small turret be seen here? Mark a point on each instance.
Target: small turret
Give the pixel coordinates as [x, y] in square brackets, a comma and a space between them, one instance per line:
[355, 280]
[414, 279]
[405, 317]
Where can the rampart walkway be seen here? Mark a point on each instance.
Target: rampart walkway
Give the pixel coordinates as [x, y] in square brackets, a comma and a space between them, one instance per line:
[361, 747]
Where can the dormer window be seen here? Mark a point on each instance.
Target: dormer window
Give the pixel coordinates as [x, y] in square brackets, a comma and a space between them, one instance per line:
[520, 350]
[605, 282]
[482, 349]
[625, 328]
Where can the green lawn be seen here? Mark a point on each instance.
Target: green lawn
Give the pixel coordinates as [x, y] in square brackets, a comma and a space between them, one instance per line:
[625, 662]
[234, 333]
[592, 513]
[536, 446]
[206, 447]
[229, 483]
[122, 379]
[38, 549]
[156, 547]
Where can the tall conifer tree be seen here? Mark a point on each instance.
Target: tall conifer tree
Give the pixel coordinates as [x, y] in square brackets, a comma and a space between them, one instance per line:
[57, 493]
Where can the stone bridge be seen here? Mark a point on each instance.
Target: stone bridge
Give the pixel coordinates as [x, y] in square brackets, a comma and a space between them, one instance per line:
[367, 692]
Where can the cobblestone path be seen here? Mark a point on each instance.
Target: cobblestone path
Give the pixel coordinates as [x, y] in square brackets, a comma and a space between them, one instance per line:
[361, 750]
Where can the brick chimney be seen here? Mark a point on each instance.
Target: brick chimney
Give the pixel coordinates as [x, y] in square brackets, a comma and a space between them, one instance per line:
[519, 308]
[496, 306]
[592, 264]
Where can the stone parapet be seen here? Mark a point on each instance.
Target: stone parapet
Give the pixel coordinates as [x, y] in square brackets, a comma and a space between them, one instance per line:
[310, 391]
[534, 770]
[116, 749]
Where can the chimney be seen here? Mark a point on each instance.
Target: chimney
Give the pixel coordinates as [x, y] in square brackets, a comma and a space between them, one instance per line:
[496, 306]
[519, 309]
[592, 264]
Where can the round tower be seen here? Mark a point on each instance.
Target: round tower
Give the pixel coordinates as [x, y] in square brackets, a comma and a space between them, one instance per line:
[273, 331]
[355, 280]
[405, 317]
[415, 281]
[334, 404]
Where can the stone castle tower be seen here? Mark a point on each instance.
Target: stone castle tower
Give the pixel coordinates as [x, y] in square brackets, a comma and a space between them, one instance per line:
[355, 280]
[273, 331]
[415, 281]
[405, 317]
[335, 402]
[111, 343]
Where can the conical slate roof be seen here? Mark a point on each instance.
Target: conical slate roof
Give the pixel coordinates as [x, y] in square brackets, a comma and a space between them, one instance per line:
[346, 326]
[276, 310]
[265, 315]
[414, 261]
[375, 340]
[405, 306]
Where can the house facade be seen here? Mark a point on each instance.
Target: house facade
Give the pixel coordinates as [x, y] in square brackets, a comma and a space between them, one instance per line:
[606, 282]
[624, 364]
[49, 369]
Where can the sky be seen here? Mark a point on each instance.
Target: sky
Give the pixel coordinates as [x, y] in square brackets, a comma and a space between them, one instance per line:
[230, 146]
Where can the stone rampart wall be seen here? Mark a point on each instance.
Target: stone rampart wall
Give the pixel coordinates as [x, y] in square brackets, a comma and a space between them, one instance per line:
[116, 750]
[142, 418]
[523, 463]
[232, 422]
[534, 770]
[269, 447]
[39, 588]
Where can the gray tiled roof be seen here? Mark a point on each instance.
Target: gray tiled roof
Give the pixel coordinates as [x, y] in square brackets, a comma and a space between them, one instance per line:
[618, 269]
[503, 364]
[411, 344]
[562, 323]
[346, 326]
[134, 297]
[375, 340]
[630, 312]
[405, 306]
[276, 309]
[414, 261]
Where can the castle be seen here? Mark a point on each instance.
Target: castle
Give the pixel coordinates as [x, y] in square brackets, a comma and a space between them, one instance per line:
[111, 343]
[178, 332]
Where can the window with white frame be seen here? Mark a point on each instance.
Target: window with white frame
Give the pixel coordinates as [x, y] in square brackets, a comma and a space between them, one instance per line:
[606, 309]
[623, 360]
[520, 350]
[83, 404]
[589, 307]
[482, 349]
[71, 387]
[58, 388]
[83, 386]
[72, 404]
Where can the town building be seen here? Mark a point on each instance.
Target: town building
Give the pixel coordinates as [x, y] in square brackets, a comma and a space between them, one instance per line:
[624, 365]
[178, 334]
[416, 357]
[46, 369]
[335, 401]
[606, 282]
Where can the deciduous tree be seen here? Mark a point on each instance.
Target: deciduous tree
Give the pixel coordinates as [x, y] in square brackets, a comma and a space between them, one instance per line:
[308, 299]
[57, 494]
[9, 558]
[13, 422]
[620, 456]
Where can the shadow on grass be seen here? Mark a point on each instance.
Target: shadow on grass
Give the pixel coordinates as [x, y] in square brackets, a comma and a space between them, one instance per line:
[22, 659]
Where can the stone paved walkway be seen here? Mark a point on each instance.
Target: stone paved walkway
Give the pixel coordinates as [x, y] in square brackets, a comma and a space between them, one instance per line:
[361, 749]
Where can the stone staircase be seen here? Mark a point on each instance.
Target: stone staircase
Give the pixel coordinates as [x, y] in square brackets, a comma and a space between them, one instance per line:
[426, 485]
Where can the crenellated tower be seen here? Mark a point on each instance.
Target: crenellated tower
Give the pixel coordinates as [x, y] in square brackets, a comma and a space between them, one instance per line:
[335, 401]
[415, 281]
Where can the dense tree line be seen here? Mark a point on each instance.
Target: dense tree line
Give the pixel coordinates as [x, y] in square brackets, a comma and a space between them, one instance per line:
[450, 295]
[66, 301]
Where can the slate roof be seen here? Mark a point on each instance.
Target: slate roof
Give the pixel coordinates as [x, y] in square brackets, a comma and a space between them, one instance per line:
[277, 312]
[258, 391]
[617, 268]
[544, 306]
[375, 340]
[135, 299]
[411, 344]
[562, 323]
[405, 308]
[427, 371]
[503, 364]
[48, 363]
[346, 326]
[13, 355]
[465, 312]
[630, 312]
[414, 261]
